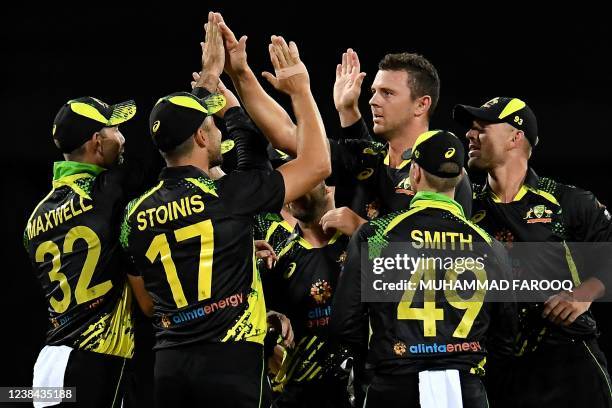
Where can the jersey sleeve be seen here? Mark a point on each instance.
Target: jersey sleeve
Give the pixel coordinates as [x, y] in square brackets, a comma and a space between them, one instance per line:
[348, 324]
[589, 221]
[350, 157]
[463, 194]
[250, 144]
[248, 193]
[357, 130]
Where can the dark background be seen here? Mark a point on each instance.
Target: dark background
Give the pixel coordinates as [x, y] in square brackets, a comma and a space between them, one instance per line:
[559, 65]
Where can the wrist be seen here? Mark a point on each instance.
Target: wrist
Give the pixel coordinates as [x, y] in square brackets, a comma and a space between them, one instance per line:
[349, 116]
[209, 81]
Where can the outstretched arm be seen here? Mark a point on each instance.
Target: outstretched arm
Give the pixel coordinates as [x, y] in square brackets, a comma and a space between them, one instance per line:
[274, 122]
[312, 163]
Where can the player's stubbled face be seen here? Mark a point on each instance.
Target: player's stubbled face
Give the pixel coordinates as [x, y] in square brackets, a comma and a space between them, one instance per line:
[487, 144]
[112, 141]
[391, 102]
[215, 158]
[308, 207]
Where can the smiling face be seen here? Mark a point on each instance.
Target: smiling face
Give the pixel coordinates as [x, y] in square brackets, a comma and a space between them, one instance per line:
[392, 102]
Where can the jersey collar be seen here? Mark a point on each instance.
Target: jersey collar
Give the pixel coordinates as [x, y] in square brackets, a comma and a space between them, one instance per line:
[181, 172]
[530, 183]
[429, 199]
[297, 235]
[405, 156]
[67, 168]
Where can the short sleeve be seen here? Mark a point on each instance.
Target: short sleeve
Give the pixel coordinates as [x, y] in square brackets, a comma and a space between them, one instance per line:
[252, 192]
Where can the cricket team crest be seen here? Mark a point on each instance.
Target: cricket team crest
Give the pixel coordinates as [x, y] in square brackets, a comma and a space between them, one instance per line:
[538, 213]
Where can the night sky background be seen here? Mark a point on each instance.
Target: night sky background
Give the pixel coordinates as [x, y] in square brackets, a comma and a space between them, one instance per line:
[557, 63]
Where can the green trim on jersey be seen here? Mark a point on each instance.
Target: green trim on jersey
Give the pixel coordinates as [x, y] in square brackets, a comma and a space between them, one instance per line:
[68, 168]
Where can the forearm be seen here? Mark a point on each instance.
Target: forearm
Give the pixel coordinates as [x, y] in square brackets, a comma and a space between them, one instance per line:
[349, 116]
[268, 115]
[589, 290]
[312, 144]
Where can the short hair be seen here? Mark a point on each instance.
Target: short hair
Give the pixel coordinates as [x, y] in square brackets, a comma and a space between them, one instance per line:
[179, 151]
[441, 184]
[423, 78]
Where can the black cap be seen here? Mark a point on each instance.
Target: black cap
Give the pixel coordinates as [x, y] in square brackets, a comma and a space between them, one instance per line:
[513, 111]
[176, 117]
[80, 118]
[434, 148]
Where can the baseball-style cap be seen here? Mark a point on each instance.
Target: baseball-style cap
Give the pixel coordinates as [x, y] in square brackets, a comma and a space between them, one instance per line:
[80, 118]
[435, 148]
[176, 117]
[501, 110]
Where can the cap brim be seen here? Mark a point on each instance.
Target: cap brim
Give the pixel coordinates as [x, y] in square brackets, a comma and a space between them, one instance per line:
[465, 115]
[122, 112]
[214, 103]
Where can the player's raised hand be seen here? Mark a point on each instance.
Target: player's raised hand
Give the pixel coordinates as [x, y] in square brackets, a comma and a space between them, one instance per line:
[349, 79]
[291, 74]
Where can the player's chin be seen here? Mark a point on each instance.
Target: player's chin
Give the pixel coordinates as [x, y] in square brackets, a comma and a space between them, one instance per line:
[477, 163]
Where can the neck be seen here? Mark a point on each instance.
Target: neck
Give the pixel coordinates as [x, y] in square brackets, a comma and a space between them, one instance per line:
[199, 162]
[403, 140]
[313, 232]
[507, 180]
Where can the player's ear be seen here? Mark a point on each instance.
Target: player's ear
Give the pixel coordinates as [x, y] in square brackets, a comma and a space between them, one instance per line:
[201, 137]
[423, 105]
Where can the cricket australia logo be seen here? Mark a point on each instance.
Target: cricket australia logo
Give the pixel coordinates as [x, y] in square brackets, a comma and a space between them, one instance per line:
[538, 213]
[404, 187]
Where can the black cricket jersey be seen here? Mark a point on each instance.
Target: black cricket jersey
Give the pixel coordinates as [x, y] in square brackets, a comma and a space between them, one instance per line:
[381, 188]
[415, 328]
[72, 238]
[273, 229]
[545, 211]
[191, 239]
[301, 285]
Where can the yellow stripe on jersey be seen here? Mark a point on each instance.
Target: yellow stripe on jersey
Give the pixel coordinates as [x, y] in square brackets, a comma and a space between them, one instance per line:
[144, 197]
[113, 333]
[203, 186]
[70, 181]
[252, 325]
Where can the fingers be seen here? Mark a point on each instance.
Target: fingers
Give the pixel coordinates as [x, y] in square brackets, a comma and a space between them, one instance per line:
[195, 75]
[270, 78]
[274, 57]
[356, 62]
[359, 79]
[277, 50]
[227, 34]
[338, 71]
[344, 63]
[284, 48]
[287, 331]
[572, 317]
[294, 53]
[550, 304]
[242, 43]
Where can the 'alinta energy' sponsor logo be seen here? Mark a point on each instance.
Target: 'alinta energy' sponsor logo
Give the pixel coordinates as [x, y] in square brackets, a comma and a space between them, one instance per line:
[432, 348]
[184, 316]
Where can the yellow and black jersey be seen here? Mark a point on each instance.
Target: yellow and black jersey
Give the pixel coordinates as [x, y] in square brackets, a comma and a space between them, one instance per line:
[191, 239]
[301, 285]
[72, 238]
[272, 228]
[381, 189]
[417, 327]
[545, 211]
